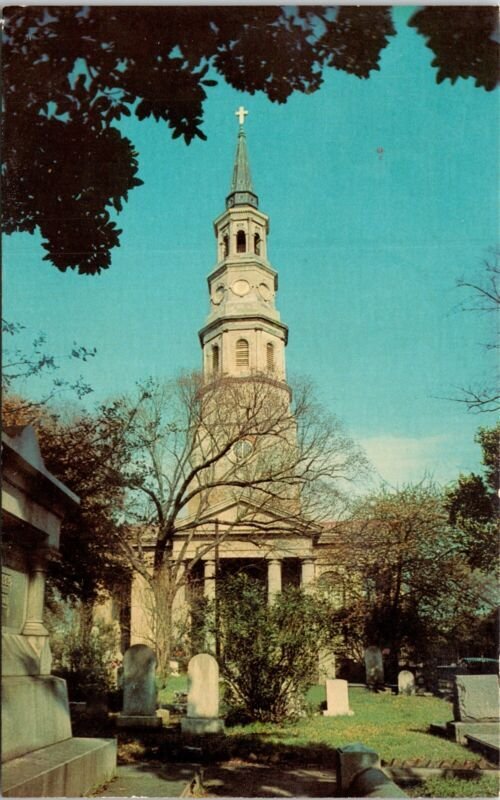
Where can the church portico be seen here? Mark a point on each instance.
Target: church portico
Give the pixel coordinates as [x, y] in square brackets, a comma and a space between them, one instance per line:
[209, 578]
[274, 578]
[308, 572]
[275, 574]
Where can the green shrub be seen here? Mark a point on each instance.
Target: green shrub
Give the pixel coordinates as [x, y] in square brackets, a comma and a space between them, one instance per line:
[268, 653]
[84, 655]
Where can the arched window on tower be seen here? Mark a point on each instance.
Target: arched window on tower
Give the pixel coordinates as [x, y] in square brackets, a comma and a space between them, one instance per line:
[241, 242]
[256, 244]
[242, 353]
[270, 357]
[225, 246]
[215, 358]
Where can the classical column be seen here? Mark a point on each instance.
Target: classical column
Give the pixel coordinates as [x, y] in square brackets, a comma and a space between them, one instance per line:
[33, 625]
[209, 579]
[273, 578]
[180, 598]
[142, 611]
[209, 594]
[307, 576]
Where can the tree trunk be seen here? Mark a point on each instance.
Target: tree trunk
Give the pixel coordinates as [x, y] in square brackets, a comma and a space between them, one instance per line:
[163, 594]
[86, 619]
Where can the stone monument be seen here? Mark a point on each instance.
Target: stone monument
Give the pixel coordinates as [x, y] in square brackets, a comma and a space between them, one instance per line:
[139, 688]
[337, 699]
[406, 682]
[374, 665]
[476, 715]
[39, 756]
[203, 697]
[476, 698]
[475, 709]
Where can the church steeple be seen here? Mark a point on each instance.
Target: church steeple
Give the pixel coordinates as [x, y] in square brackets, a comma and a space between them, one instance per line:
[243, 334]
[241, 192]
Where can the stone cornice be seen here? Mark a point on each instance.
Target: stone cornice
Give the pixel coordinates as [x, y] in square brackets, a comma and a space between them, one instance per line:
[247, 319]
[247, 260]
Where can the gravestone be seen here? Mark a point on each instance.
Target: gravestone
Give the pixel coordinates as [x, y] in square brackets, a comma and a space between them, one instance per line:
[337, 699]
[476, 698]
[203, 696]
[139, 688]
[406, 682]
[174, 667]
[374, 666]
[475, 710]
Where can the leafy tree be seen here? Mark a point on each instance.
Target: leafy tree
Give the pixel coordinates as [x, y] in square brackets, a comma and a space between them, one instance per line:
[81, 451]
[269, 652]
[473, 505]
[405, 579]
[181, 441]
[71, 73]
[84, 655]
[463, 42]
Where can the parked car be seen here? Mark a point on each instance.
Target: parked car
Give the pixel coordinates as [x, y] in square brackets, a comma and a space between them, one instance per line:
[479, 666]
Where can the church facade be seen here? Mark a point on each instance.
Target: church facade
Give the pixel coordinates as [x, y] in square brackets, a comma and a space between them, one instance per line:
[243, 343]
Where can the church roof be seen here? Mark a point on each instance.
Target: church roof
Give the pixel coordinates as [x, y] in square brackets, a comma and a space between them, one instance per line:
[241, 191]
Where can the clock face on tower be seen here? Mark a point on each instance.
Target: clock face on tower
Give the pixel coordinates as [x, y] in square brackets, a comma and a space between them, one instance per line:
[242, 449]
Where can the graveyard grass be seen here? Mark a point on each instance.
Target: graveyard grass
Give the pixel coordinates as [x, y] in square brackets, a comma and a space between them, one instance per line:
[396, 727]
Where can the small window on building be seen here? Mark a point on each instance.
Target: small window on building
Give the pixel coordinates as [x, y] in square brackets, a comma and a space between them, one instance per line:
[241, 242]
[242, 353]
[270, 357]
[215, 358]
[256, 244]
[225, 246]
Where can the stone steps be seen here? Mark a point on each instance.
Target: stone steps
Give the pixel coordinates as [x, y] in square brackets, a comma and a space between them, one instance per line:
[67, 769]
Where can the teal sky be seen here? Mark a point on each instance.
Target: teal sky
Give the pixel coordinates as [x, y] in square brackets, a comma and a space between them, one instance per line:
[381, 194]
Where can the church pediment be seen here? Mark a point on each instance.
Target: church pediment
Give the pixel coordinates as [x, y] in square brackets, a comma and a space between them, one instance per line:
[241, 518]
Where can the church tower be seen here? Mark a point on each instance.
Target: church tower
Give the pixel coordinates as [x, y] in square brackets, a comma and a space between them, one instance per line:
[243, 334]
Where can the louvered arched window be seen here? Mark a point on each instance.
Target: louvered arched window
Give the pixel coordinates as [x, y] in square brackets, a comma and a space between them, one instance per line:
[256, 243]
[270, 357]
[215, 358]
[241, 242]
[242, 353]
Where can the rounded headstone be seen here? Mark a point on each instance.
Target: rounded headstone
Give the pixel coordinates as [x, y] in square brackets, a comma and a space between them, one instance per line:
[406, 682]
[139, 681]
[374, 665]
[203, 686]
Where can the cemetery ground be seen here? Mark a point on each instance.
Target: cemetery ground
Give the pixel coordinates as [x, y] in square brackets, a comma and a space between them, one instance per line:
[298, 758]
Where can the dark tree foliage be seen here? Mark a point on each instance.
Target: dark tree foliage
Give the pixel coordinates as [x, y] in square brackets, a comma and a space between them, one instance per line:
[473, 504]
[82, 452]
[462, 40]
[71, 72]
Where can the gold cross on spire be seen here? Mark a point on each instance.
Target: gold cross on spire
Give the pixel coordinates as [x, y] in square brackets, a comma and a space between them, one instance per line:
[241, 114]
